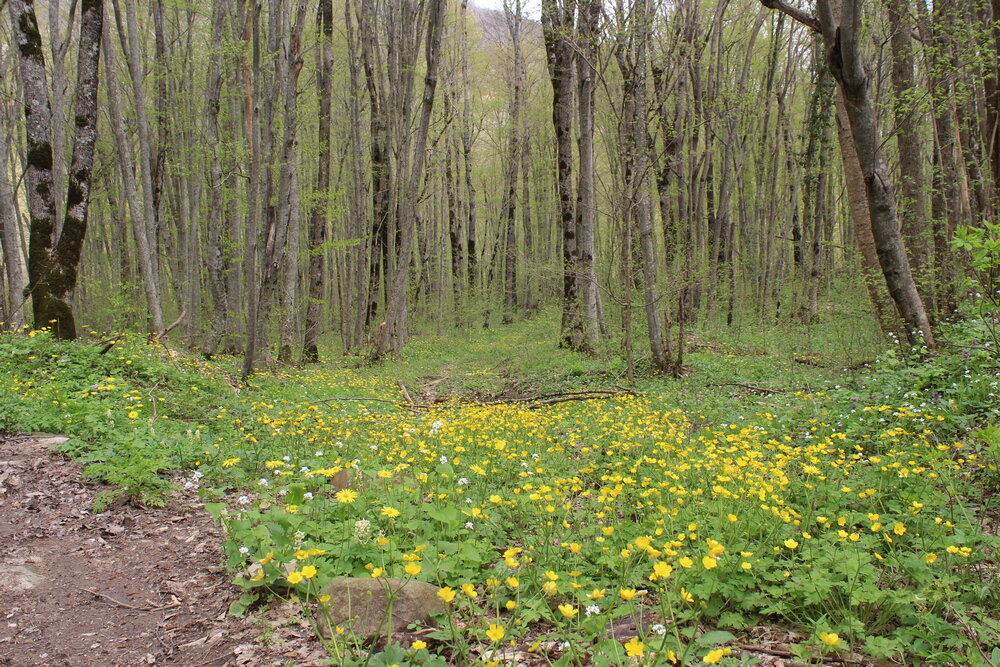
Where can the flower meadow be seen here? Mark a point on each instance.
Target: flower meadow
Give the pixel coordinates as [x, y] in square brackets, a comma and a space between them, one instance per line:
[856, 523]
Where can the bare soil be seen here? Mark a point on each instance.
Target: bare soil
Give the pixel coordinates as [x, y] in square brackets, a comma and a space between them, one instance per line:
[131, 586]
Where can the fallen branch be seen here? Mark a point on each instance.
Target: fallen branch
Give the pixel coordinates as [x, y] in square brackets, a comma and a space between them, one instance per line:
[750, 387]
[535, 402]
[126, 605]
[170, 328]
[406, 394]
[109, 343]
[415, 408]
[783, 653]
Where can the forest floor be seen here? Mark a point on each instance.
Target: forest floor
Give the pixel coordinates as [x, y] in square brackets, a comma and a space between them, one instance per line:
[790, 501]
[126, 587]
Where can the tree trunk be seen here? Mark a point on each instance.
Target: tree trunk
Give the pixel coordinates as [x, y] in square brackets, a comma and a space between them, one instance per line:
[15, 269]
[912, 207]
[470, 187]
[216, 256]
[992, 89]
[411, 176]
[857, 199]
[59, 46]
[281, 222]
[588, 20]
[512, 163]
[842, 37]
[320, 206]
[947, 202]
[53, 261]
[147, 158]
[632, 55]
[250, 71]
[144, 251]
[557, 22]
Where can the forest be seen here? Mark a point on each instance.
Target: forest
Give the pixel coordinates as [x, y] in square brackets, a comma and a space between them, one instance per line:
[561, 332]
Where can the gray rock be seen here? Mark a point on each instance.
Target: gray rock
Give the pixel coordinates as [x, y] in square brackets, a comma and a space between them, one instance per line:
[361, 605]
[19, 578]
[48, 440]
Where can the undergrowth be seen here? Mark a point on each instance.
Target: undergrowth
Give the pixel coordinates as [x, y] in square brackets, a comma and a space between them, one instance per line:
[806, 478]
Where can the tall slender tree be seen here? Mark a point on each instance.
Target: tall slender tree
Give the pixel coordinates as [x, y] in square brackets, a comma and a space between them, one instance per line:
[839, 21]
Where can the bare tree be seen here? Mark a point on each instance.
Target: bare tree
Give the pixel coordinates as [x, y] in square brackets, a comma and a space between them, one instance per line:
[632, 54]
[137, 214]
[317, 216]
[217, 255]
[410, 158]
[512, 160]
[842, 36]
[558, 18]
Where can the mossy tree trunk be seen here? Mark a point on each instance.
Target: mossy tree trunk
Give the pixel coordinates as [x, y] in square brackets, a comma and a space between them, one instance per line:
[53, 259]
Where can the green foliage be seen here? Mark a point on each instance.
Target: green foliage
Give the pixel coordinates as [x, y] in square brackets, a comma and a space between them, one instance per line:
[845, 504]
[982, 245]
[134, 413]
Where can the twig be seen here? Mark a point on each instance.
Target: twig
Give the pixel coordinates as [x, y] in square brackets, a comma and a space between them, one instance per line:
[415, 408]
[561, 399]
[109, 343]
[579, 395]
[535, 402]
[169, 328]
[782, 653]
[125, 604]
[760, 390]
[406, 394]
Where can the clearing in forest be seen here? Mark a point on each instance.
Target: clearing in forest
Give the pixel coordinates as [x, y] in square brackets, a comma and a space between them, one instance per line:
[633, 528]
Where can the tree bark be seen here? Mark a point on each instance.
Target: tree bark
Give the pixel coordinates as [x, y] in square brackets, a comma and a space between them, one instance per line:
[53, 261]
[216, 256]
[512, 161]
[588, 20]
[320, 206]
[557, 23]
[912, 206]
[15, 268]
[841, 32]
[144, 251]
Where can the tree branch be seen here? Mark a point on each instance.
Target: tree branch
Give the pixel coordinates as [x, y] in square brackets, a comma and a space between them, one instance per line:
[803, 17]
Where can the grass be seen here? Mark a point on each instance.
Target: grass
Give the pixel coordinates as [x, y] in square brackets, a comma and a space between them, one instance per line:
[779, 483]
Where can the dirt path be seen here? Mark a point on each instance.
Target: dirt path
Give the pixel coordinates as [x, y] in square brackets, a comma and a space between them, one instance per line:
[127, 587]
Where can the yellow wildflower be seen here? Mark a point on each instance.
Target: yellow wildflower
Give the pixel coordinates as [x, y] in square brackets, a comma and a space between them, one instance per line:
[568, 610]
[634, 648]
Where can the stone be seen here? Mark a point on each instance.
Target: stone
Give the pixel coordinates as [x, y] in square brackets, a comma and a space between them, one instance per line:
[19, 578]
[49, 440]
[361, 605]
